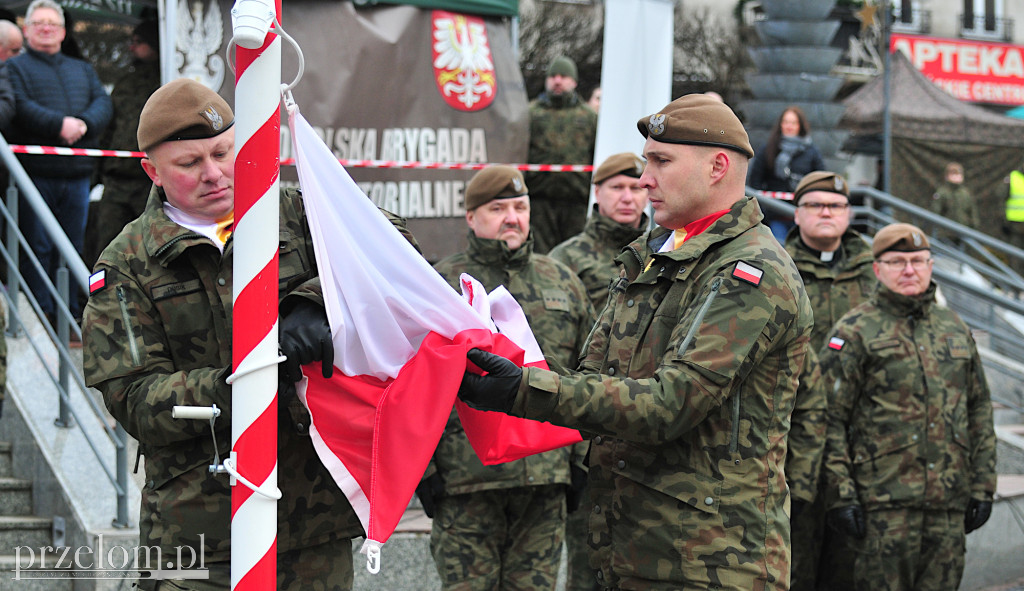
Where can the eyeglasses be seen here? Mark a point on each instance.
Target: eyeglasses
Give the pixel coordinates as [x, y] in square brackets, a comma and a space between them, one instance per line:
[900, 264]
[42, 24]
[820, 207]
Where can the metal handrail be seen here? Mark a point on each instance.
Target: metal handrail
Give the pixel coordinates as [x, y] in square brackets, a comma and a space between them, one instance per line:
[22, 190]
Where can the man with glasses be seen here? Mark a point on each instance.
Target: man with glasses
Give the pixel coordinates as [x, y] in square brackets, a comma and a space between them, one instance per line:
[835, 264]
[60, 102]
[910, 453]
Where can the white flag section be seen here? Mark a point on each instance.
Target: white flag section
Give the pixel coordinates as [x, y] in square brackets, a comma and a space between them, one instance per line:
[401, 334]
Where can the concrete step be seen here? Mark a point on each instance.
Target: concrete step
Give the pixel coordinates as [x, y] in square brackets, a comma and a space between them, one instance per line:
[15, 496]
[6, 469]
[21, 572]
[31, 531]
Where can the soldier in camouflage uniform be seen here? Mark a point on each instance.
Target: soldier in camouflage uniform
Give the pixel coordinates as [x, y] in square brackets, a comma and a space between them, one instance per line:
[617, 219]
[502, 527]
[125, 184]
[954, 201]
[835, 264]
[562, 131]
[158, 334]
[910, 456]
[688, 378]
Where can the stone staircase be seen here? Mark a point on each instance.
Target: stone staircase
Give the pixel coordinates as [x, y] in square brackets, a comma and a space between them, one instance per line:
[23, 535]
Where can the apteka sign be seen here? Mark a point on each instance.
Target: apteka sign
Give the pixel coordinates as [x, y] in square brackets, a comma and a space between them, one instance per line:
[973, 71]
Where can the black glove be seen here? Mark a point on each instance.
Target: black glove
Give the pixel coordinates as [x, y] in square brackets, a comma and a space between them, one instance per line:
[428, 491]
[574, 494]
[305, 337]
[977, 514]
[849, 520]
[494, 391]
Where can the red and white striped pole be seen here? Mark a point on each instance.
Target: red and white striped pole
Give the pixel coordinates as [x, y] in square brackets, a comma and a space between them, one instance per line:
[255, 294]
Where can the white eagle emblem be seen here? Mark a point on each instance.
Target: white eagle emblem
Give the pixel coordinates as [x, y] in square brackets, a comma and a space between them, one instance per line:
[656, 124]
[199, 40]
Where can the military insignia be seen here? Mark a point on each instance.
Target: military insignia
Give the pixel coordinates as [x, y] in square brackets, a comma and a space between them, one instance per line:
[517, 185]
[839, 183]
[463, 68]
[918, 241]
[556, 299]
[199, 37]
[656, 124]
[748, 273]
[639, 167]
[216, 121]
[836, 343]
[97, 281]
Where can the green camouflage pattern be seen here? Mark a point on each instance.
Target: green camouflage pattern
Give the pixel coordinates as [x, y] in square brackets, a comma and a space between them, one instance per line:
[909, 549]
[474, 549]
[562, 131]
[591, 253]
[956, 203]
[559, 312]
[909, 417]
[687, 384]
[125, 183]
[159, 335]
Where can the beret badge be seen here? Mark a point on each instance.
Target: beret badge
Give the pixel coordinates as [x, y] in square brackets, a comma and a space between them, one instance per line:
[657, 124]
[216, 120]
[517, 184]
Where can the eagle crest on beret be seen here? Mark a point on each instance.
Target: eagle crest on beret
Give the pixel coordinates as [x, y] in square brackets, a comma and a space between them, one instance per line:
[216, 120]
[839, 183]
[517, 185]
[917, 238]
[656, 125]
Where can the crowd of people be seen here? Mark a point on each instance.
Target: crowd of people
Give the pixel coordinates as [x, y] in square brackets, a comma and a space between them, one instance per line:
[757, 413]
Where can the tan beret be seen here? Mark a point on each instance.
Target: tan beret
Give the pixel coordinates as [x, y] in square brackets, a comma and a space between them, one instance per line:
[900, 238]
[626, 163]
[494, 182]
[699, 120]
[821, 180]
[182, 110]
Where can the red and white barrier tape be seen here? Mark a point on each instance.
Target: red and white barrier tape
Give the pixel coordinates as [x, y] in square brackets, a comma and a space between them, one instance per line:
[778, 195]
[407, 165]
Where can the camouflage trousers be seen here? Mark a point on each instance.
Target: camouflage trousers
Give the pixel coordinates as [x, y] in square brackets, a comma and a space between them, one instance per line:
[325, 567]
[807, 535]
[553, 221]
[910, 549]
[507, 539]
[580, 576]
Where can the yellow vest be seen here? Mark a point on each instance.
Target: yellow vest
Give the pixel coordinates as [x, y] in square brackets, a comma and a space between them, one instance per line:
[1015, 204]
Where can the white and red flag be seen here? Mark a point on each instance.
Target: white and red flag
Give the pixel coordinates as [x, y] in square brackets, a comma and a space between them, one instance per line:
[401, 334]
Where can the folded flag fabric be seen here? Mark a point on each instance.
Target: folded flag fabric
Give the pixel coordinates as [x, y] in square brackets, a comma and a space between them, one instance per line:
[401, 334]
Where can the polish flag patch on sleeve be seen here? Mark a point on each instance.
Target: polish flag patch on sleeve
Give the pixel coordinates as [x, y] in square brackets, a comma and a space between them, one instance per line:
[836, 343]
[748, 273]
[97, 281]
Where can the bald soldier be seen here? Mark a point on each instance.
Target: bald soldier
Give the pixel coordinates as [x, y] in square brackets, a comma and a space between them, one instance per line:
[157, 334]
[688, 379]
[911, 451]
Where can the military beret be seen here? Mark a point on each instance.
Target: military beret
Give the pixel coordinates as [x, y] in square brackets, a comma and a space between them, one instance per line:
[899, 237]
[821, 180]
[699, 120]
[182, 110]
[626, 163]
[494, 182]
[563, 65]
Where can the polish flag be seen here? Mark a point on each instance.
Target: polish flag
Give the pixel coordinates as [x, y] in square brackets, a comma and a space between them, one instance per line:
[401, 334]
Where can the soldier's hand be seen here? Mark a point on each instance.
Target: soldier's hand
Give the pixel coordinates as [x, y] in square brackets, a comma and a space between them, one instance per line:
[497, 389]
[977, 514]
[428, 491]
[305, 337]
[849, 520]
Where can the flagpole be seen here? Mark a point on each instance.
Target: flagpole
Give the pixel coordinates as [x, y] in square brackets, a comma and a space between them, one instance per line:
[255, 293]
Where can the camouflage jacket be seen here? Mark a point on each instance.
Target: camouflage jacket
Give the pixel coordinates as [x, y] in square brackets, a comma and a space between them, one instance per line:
[591, 254]
[832, 289]
[910, 420]
[562, 131]
[687, 383]
[123, 179]
[955, 202]
[159, 335]
[556, 305]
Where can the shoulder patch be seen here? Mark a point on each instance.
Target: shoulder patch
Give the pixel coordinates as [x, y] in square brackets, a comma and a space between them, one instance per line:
[836, 343]
[97, 281]
[748, 273]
